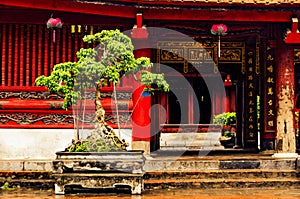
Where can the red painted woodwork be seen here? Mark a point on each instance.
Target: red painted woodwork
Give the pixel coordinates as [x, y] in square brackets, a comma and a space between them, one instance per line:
[141, 104]
[16, 58]
[139, 20]
[285, 76]
[227, 101]
[293, 36]
[153, 12]
[227, 84]
[140, 115]
[64, 45]
[139, 32]
[39, 46]
[3, 47]
[13, 103]
[285, 68]
[21, 63]
[10, 52]
[233, 100]
[24, 36]
[33, 54]
[34, 113]
[28, 51]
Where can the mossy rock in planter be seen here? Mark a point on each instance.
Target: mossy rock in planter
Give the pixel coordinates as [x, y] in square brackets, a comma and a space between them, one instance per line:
[100, 145]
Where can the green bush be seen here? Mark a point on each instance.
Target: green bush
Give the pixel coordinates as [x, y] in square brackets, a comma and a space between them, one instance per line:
[229, 134]
[228, 118]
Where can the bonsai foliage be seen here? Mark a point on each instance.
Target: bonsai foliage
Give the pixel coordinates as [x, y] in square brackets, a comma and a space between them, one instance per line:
[109, 61]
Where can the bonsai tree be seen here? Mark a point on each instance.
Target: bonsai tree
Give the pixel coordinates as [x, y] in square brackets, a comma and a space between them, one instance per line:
[108, 62]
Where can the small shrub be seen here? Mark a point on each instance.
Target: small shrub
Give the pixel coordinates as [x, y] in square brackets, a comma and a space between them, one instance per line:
[228, 118]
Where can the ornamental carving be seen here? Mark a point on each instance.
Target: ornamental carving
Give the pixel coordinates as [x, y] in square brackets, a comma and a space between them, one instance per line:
[109, 117]
[120, 95]
[297, 55]
[53, 119]
[123, 118]
[29, 118]
[35, 95]
[28, 95]
[185, 55]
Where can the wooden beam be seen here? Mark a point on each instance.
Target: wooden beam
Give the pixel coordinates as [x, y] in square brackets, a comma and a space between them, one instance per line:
[70, 6]
[249, 14]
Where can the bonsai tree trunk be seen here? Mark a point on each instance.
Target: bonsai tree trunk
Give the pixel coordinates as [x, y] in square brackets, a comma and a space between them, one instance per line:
[102, 129]
[103, 135]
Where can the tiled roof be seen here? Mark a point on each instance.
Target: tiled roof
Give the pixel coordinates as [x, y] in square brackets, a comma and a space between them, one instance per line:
[232, 1]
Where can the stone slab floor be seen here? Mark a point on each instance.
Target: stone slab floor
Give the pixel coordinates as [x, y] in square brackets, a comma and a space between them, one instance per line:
[165, 194]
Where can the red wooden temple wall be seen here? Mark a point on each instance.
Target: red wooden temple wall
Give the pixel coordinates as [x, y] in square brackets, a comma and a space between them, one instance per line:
[28, 51]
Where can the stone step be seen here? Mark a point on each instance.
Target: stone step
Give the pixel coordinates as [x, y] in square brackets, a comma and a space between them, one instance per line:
[34, 184]
[222, 183]
[25, 174]
[28, 179]
[217, 163]
[186, 139]
[221, 174]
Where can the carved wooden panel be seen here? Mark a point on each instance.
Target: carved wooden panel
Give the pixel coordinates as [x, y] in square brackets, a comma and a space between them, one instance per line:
[270, 94]
[187, 56]
[250, 137]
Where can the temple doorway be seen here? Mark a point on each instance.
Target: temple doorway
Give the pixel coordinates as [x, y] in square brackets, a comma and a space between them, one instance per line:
[189, 104]
[193, 110]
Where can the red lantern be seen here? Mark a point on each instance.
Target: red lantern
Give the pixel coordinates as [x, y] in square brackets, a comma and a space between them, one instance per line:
[227, 81]
[220, 30]
[54, 24]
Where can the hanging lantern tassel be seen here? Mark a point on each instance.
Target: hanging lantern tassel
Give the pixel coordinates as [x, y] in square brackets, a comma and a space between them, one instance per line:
[53, 35]
[219, 47]
[54, 24]
[220, 30]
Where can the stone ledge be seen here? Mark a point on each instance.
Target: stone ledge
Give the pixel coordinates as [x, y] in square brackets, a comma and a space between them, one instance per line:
[160, 164]
[209, 164]
[26, 165]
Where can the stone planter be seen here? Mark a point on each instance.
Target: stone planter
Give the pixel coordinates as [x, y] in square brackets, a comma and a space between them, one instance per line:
[105, 170]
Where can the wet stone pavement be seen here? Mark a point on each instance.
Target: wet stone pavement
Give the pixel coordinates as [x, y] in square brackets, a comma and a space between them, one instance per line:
[163, 194]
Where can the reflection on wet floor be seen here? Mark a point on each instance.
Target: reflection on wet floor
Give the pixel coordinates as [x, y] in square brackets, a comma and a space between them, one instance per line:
[165, 194]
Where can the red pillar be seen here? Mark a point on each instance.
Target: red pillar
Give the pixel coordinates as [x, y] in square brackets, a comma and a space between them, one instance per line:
[227, 84]
[227, 100]
[285, 131]
[141, 100]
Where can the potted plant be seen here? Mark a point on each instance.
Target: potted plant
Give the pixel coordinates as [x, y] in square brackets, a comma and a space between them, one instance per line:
[103, 150]
[228, 121]
[228, 139]
[109, 62]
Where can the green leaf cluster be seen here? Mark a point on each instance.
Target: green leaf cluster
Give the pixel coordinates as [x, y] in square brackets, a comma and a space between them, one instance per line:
[154, 81]
[227, 118]
[79, 147]
[229, 134]
[100, 145]
[6, 187]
